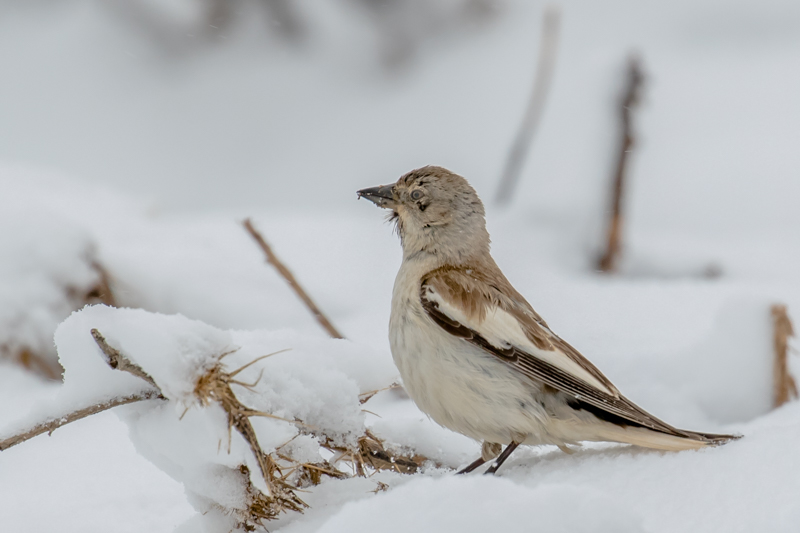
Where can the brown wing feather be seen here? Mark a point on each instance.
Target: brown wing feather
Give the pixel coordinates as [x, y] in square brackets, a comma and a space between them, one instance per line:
[464, 287]
[475, 290]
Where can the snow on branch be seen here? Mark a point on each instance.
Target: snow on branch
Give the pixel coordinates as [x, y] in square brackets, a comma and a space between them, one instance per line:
[299, 416]
[115, 360]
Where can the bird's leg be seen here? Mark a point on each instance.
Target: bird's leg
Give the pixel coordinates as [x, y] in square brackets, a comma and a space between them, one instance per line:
[502, 458]
[489, 450]
[472, 466]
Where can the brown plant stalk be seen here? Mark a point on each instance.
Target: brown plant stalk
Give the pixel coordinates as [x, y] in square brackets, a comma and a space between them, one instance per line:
[631, 96]
[49, 426]
[545, 66]
[115, 360]
[785, 387]
[286, 274]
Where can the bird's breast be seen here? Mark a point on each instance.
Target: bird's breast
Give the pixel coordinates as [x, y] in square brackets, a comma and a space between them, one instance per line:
[456, 383]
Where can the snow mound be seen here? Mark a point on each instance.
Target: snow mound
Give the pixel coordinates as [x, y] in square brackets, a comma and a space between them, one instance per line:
[481, 503]
[194, 438]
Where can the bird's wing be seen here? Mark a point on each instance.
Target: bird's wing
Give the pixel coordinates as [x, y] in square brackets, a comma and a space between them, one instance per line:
[481, 309]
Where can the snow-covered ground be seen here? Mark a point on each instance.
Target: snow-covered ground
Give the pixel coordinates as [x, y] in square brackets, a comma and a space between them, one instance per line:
[147, 164]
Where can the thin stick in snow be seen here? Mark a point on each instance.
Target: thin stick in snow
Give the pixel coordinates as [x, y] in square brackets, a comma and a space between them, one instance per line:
[544, 74]
[51, 425]
[631, 96]
[115, 360]
[273, 260]
[785, 388]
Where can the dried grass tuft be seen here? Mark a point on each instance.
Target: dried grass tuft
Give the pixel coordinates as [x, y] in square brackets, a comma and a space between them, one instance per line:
[282, 474]
[215, 387]
[371, 455]
[364, 397]
[374, 454]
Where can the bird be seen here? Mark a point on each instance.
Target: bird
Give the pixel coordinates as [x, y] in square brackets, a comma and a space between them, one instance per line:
[475, 356]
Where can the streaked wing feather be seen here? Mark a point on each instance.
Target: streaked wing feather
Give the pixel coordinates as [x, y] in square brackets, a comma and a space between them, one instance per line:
[534, 367]
[475, 292]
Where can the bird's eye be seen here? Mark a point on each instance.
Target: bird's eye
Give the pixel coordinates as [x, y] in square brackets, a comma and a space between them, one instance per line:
[416, 195]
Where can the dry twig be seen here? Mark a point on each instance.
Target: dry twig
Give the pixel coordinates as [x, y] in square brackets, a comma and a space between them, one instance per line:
[372, 454]
[631, 97]
[115, 360]
[53, 424]
[785, 386]
[364, 397]
[544, 74]
[273, 260]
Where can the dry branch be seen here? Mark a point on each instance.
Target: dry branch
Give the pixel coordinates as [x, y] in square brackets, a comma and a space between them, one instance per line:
[544, 74]
[273, 260]
[115, 360]
[630, 98]
[785, 388]
[53, 424]
[364, 397]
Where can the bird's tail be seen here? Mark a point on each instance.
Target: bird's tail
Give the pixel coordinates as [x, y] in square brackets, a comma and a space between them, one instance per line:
[649, 438]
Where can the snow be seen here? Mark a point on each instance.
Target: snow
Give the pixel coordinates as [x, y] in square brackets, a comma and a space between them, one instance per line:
[84, 477]
[145, 161]
[501, 504]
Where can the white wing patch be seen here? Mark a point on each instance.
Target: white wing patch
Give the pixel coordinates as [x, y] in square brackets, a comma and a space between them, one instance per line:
[502, 330]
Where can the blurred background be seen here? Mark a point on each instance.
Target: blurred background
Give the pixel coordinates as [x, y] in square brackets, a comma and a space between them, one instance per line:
[206, 104]
[148, 128]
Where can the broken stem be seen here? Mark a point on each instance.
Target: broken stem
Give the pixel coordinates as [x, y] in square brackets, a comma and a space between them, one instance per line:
[544, 74]
[115, 360]
[51, 425]
[273, 260]
[608, 261]
[785, 387]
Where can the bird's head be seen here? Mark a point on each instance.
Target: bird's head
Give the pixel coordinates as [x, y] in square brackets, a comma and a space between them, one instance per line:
[436, 211]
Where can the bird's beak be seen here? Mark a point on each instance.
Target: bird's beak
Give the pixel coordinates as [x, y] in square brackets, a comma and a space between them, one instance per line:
[380, 196]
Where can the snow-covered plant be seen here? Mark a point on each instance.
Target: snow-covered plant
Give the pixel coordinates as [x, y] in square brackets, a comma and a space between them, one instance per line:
[243, 432]
[48, 268]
